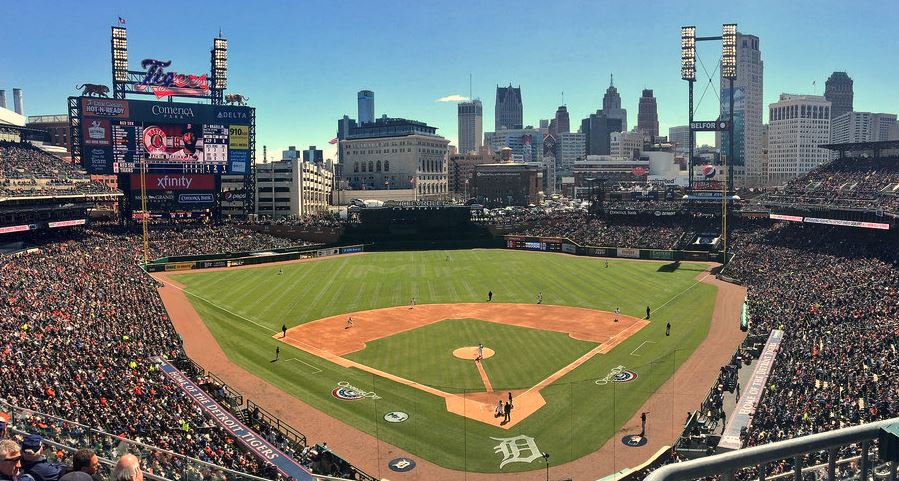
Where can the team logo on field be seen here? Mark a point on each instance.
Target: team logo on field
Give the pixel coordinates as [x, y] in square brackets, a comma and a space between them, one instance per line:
[396, 417]
[617, 374]
[401, 465]
[634, 440]
[520, 449]
[347, 392]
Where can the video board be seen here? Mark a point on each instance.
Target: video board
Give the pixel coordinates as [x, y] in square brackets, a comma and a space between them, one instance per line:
[173, 138]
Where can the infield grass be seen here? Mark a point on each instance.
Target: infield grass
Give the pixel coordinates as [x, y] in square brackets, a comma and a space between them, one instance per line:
[243, 308]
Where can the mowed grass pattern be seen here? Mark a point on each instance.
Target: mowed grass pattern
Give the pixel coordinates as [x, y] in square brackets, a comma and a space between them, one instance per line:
[245, 307]
[523, 358]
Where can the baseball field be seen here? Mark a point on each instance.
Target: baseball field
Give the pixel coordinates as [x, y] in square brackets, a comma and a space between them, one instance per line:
[406, 372]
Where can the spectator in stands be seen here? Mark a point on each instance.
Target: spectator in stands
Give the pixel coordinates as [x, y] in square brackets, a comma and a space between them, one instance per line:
[35, 464]
[85, 465]
[11, 462]
[127, 469]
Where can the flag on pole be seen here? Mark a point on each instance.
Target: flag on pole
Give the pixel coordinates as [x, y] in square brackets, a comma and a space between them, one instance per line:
[333, 141]
[121, 21]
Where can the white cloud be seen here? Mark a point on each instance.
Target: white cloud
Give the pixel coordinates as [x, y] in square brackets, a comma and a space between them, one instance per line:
[452, 98]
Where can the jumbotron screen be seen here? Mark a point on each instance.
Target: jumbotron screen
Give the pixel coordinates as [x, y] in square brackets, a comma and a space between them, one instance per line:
[117, 135]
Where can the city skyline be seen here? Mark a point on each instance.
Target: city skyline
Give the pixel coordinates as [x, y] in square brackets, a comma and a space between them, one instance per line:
[558, 54]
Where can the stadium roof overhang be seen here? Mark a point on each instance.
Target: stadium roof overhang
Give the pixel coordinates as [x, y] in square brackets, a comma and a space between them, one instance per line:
[863, 146]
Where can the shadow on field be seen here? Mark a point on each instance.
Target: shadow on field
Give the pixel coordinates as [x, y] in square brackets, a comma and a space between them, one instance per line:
[669, 267]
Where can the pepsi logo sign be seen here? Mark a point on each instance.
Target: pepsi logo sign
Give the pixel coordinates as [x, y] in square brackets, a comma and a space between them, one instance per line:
[709, 171]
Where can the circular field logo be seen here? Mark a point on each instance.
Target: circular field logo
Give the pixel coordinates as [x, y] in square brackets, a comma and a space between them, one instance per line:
[624, 376]
[396, 417]
[617, 374]
[633, 440]
[401, 465]
[347, 392]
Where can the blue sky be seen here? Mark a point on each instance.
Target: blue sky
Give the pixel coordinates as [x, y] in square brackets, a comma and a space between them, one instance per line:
[301, 63]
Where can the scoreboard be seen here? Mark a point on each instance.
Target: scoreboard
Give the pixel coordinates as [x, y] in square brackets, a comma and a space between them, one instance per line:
[172, 138]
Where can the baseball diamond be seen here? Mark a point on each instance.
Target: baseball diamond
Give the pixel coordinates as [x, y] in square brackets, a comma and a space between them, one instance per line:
[548, 357]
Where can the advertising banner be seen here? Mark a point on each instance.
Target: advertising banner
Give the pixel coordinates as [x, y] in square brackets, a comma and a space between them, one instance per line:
[14, 228]
[178, 192]
[569, 248]
[256, 443]
[350, 249]
[327, 252]
[661, 255]
[791, 218]
[181, 182]
[67, 223]
[628, 253]
[848, 223]
[109, 108]
[742, 416]
[239, 137]
[179, 266]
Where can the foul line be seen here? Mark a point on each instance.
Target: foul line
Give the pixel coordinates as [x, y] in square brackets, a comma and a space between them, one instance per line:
[682, 292]
[168, 283]
[638, 347]
[317, 370]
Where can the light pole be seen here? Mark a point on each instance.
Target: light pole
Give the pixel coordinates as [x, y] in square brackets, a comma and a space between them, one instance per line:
[546, 460]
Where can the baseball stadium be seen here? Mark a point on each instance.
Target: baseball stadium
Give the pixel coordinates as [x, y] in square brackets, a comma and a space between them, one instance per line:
[162, 320]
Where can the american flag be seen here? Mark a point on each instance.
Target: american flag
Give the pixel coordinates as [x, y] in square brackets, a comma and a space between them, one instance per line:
[333, 141]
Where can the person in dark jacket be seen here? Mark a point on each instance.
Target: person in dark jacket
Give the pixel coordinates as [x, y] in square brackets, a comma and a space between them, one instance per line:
[35, 464]
[85, 465]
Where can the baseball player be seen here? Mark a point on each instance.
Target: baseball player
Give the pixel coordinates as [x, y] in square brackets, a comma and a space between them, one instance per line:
[480, 352]
[349, 322]
[617, 313]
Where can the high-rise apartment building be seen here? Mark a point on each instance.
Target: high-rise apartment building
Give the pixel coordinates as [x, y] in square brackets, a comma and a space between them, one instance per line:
[366, 99]
[626, 145]
[748, 108]
[648, 115]
[679, 136]
[797, 126]
[471, 127]
[508, 111]
[570, 147]
[838, 90]
[861, 127]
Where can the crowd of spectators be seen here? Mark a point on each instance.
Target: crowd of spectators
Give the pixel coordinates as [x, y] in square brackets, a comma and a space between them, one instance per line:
[616, 231]
[835, 293]
[853, 183]
[27, 171]
[82, 325]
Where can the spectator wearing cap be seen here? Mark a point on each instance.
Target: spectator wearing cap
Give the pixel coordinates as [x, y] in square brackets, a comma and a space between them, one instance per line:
[11, 462]
[127, 469]
[35, 464]
[85, 465]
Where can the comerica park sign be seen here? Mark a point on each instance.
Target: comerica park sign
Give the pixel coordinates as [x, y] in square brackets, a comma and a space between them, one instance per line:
[710, 125]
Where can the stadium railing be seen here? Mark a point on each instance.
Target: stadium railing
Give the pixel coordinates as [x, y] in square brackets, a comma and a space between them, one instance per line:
[751, 463]
[258, 412]
[158, 464]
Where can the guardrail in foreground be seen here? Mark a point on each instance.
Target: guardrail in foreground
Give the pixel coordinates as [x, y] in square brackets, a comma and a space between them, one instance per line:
[726, 465]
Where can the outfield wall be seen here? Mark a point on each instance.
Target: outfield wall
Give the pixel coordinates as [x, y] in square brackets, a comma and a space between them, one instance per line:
[561, 244]
[235, 259]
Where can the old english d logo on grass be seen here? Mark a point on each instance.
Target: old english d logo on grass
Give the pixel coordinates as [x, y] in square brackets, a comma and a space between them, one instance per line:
[520, 449]
[347, 392]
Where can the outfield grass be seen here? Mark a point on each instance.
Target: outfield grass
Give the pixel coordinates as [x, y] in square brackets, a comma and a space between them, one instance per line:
[524, 356]
[243, 308]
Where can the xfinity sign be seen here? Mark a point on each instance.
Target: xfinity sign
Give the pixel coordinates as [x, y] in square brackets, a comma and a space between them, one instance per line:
[710, 125]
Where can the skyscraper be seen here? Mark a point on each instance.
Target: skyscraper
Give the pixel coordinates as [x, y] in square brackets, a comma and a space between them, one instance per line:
[471, 128]
[597, 128]
[838, 90]
[366, 106]
[797, 125]
[748, 89]
[563, 123]
[648, 115]
[611, 105]
[508, 113]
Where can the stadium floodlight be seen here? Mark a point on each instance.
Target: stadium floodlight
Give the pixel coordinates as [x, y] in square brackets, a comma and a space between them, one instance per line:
[729, 51]
[688, 53]
[119, 54]
[219, 63]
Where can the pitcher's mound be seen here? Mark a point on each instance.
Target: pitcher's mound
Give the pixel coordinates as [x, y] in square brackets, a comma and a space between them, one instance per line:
[472, 352]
